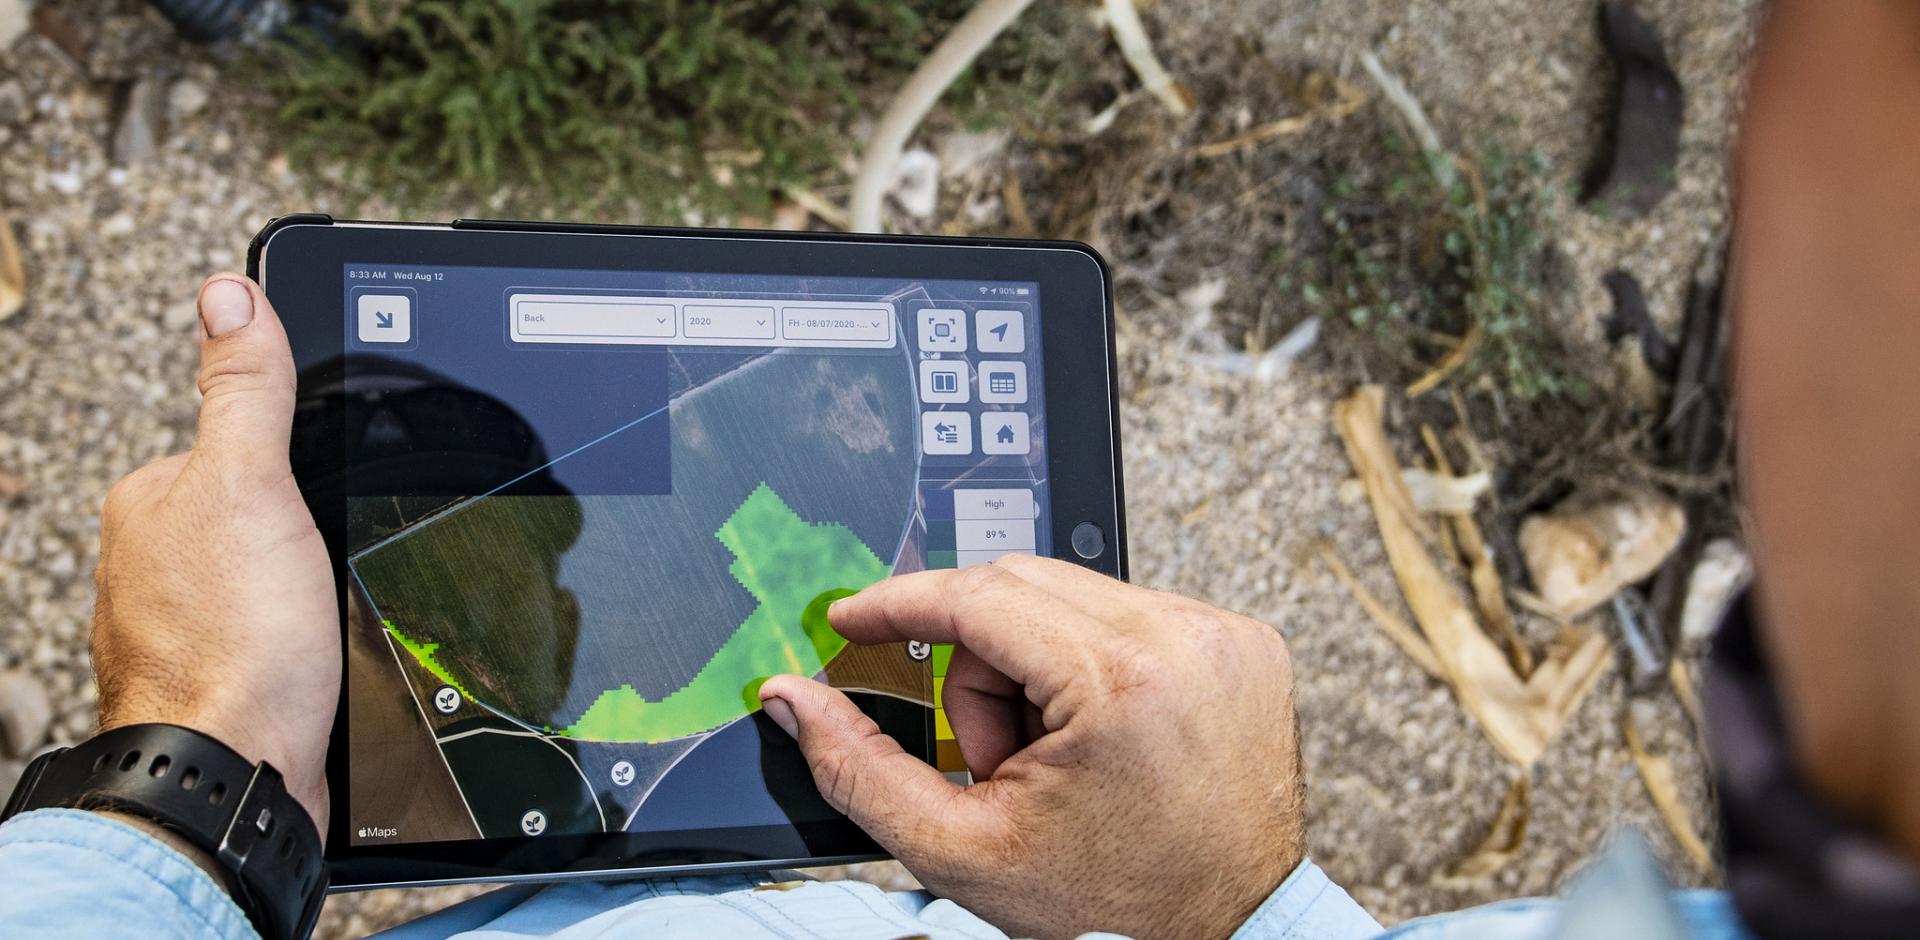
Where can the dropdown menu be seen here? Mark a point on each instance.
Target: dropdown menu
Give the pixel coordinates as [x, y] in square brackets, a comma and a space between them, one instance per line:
[835, 323]
[538, 317]
[713, 321]
[610, 318]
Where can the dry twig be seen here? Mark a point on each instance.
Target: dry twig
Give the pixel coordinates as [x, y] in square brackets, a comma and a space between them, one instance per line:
[1347, 100]
[1687, 690]
[1462, 351]
[821, 207]
[1103, 121]
[1015, 198]
[13, 275]
[1656, 771]
[1439, 159]
[1131, 35]
[1503, 841]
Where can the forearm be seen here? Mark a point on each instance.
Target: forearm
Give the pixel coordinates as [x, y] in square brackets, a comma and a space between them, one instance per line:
[1827, 301]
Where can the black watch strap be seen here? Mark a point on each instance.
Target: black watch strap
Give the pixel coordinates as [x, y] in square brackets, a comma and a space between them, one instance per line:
[195, 786]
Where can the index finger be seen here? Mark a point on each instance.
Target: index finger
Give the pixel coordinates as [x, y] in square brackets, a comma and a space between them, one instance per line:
[1101, 596]
[1013, 625]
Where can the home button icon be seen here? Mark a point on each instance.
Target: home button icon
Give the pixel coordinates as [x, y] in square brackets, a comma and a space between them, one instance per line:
[1089, 542]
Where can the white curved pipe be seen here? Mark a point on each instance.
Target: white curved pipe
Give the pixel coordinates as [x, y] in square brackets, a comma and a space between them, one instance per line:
[956, 51]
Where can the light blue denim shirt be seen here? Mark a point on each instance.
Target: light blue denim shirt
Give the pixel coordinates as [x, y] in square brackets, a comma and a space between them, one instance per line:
[74, 874]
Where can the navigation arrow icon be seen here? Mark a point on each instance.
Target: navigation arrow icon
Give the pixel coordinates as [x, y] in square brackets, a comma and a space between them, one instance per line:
[382, 320]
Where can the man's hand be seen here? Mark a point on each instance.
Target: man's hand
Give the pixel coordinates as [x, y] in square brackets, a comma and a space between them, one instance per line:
[216, 606]
[1136, 753]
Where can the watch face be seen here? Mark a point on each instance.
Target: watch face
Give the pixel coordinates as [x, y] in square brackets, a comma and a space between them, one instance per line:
[586, 493]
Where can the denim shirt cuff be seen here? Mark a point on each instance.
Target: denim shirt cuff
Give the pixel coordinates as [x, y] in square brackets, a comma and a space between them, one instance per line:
[109, 865]
[1308, 904]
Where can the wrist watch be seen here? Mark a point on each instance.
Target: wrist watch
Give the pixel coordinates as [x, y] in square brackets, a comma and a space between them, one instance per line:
[202, 790]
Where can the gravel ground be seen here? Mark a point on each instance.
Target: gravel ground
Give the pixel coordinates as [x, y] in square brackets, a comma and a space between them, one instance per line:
[1227, 478]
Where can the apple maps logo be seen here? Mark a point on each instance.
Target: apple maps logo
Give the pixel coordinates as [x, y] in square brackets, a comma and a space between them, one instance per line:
[378, 832]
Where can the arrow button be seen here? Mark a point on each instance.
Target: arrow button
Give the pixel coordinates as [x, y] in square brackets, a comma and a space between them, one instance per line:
[383, 318]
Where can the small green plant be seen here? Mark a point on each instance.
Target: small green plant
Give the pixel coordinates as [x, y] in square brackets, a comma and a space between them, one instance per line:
[1424, 267]
[664, 108]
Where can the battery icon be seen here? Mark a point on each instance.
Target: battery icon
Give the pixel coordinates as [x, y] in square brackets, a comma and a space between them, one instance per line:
[1022, 291]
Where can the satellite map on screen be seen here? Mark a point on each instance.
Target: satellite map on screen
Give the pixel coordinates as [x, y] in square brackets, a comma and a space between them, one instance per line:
[603, 552]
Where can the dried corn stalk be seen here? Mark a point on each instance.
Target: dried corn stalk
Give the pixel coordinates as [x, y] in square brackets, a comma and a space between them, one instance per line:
[1397, 630]
[1520, 716]
[1489, 594]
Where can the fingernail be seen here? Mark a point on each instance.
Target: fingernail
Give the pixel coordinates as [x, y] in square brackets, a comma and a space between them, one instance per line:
[226, 305]
[782, 715]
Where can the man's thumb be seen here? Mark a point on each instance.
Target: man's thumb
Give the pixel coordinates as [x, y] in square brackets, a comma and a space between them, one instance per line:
[246, 373]
[899, 799]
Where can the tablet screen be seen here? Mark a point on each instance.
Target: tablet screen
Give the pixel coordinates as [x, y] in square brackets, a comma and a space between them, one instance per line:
[592, 510]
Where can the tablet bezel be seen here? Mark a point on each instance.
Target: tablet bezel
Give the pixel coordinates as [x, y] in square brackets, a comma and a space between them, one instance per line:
[300, 262]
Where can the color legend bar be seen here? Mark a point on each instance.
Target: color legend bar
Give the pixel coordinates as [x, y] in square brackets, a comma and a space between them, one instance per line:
[946, 750]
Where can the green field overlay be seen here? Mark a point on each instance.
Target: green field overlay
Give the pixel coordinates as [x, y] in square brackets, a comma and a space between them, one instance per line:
[423, 653]
[794, 568]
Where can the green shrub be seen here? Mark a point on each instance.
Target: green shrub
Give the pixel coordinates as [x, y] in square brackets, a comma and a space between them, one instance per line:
[1417, 266]
[659, 108]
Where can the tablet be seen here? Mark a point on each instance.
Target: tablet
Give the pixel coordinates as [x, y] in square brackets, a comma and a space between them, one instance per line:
[586, 487]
